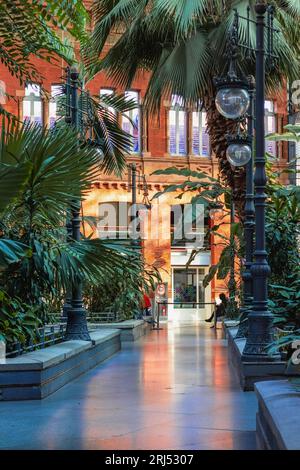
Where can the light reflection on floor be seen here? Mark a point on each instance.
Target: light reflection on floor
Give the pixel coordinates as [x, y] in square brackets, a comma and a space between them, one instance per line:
[171, 390]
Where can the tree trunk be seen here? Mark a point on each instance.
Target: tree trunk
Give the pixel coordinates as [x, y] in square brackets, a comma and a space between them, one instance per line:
[218, 128]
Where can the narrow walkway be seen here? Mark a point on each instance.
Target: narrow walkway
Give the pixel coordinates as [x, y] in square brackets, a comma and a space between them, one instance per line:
[171, 390]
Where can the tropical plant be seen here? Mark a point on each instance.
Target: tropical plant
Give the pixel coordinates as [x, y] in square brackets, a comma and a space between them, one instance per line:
[35, 28]
[292, 134]
[18, 321]
[61, 171]
[99, 125]
[121, 293]
[185, 51]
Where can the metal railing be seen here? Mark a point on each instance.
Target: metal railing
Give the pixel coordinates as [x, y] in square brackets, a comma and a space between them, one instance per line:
[45, 336]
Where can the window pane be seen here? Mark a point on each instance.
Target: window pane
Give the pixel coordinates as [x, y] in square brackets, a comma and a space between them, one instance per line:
[185, 287]
[269, 106]
[106, 91]
[32, 104]
[37, 117]
[182, 133]
[134, 115]
[132, 95]
[135, 129]
[200, 137]
[56, 91]
[177, 101]
[126, 124]
[32, 89]
[195, 134]
[172, 132]
[26, 110]
[270, 127]
[205, 136]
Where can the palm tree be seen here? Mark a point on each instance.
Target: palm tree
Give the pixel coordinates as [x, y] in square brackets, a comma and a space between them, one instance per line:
[52, 173]
[183, 44]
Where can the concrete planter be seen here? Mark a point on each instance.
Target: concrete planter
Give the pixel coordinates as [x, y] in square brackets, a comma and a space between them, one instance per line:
[38, 374]
[226, 324]
[278, 417]
[2, 351]
[130, 330]
[251, 372]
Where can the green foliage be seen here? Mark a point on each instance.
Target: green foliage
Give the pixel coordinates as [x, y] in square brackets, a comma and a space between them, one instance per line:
[282, 239]
[29, 27]
[18, 321]
[292, 134]
[38, 265]
[102, 113]
[122, 293]
[187, 49]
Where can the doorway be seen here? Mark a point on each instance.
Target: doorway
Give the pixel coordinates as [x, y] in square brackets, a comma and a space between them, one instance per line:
[191, 301]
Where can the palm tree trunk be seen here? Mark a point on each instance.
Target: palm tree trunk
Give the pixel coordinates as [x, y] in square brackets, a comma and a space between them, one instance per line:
[218, 128]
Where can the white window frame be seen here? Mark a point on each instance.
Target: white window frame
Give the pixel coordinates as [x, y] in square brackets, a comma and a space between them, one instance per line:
[32, 98]
[53, 99]
[272, 114]
[178, 108]
[130, 115]
[200, 127]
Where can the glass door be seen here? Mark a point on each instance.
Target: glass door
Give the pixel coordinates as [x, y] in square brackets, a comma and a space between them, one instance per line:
[185, 288]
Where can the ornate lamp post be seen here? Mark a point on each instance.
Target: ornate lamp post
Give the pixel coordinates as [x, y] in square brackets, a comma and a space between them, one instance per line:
[76, 314]
[260, 319]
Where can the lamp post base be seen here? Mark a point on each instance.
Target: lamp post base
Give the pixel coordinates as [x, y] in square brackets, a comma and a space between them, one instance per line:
[77, 328]
[259, 338]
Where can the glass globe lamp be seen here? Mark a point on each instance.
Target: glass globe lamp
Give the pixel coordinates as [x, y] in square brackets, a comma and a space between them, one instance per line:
[232, 103]
[238, 154]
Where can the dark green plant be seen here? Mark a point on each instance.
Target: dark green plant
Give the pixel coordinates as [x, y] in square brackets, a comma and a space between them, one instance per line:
[31, 28]
[60, 173]
[122, 293]
[18, 321]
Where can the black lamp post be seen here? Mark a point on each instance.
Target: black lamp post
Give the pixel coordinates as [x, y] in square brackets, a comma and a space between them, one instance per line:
[249, 223]
[76, 314]
[260, 319]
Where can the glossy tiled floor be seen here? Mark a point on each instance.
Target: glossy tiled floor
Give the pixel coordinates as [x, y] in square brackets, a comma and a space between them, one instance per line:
[171, 390]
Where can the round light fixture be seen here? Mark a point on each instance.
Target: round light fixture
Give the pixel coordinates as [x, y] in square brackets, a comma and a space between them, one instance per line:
[232, 102]
[239, 154]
